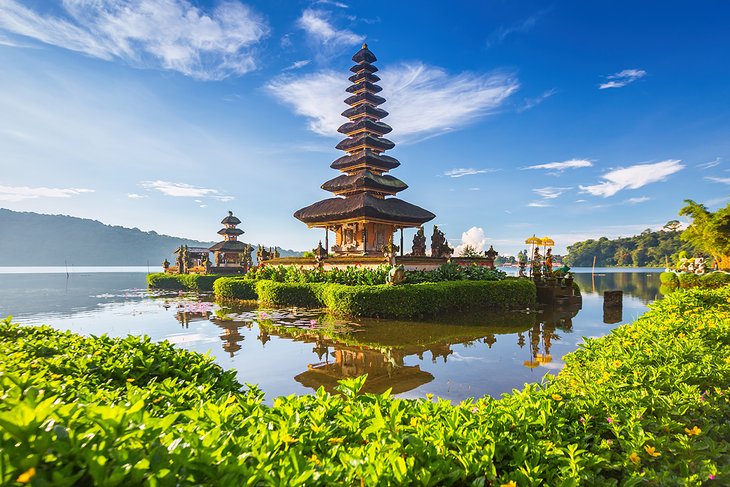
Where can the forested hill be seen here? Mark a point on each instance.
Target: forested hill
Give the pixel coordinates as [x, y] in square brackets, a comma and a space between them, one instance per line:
[32, 239]
[648, 249]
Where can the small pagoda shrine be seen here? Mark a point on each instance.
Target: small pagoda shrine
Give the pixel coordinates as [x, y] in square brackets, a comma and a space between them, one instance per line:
[364, 214]
[230, 252]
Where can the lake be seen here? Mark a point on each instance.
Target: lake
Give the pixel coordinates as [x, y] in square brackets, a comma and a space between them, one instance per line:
[295, 351]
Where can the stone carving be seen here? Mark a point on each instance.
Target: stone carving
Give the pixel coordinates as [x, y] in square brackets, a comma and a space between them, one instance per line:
[547, 269]
[396, 275]
[419, 243]
[536, 263]
[320, 253]
[439, 245]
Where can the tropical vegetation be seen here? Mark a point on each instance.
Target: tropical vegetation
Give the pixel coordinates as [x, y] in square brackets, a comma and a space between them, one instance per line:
[647, 404]
[648, 249]
[708, 232]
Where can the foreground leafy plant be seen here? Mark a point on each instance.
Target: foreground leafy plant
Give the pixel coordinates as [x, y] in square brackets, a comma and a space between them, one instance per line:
[646, 404]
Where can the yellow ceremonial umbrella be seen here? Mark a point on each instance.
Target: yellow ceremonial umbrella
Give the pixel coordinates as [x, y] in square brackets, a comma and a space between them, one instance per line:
[531, 364]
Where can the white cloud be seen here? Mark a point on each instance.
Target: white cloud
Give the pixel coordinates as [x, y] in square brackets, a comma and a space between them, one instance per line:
[421, 99]
[171, 34]
[562, 166]
[135, 196]
[297, 64]
[533, 102]
[20, 193]
[182, 190]
[318, 27]
[635, 201]
[633, 177]
[622, 78]
[474, 237]
[550, 192]
[710, 164]
[718, 180]
[464, 171]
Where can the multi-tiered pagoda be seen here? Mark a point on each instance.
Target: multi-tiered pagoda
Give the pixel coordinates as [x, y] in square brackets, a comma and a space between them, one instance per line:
[363, 214]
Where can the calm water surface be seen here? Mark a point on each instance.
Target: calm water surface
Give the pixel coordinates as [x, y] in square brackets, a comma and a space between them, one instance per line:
[289, 351]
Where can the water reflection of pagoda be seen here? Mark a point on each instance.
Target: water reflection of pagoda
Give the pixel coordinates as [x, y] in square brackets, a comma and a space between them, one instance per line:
[385, 370]
[363, 213]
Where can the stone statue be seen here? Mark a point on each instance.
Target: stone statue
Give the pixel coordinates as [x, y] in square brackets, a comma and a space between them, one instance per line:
[536, 263]
[547, 269]
[247, 260]
[396, 275]
[419, 243]
[179, 260]
[320, 253]
[439, 245]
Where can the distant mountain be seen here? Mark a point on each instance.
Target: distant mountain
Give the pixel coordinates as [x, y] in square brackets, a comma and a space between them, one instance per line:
[33, 239]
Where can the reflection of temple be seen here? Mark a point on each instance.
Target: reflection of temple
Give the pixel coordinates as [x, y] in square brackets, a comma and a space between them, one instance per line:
[385, 370]
[185, 317]
[364, 214]
[542, 334]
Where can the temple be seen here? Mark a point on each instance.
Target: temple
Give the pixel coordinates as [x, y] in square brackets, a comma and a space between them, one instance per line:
[230, 252]
[364, 214]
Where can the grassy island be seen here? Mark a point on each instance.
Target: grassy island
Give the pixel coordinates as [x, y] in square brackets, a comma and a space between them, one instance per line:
[649, 403]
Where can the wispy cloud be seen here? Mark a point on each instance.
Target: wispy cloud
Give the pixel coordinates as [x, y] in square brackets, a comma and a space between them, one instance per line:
[636, 201]
[633, 177]
[718, 180]
[318, 27]
[622, 78]
[297, 64]
[499, 35]
[550, 192]
[168, 34]
[530, 103]
[464, 171]
[562, 166]
[184, 190]
[422, 99]
[710, 164]
[20, 193]
[332, 2]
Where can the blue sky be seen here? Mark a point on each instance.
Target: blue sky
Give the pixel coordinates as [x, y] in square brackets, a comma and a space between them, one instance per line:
[567, 119]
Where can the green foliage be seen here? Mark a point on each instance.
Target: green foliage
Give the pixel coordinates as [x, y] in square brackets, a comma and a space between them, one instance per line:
[709, 232]
[647, 404]
[408, 301]
[190, 282]
[235, 288]
[649, 249]
[669, 279]
[354, 276]
[304, 295]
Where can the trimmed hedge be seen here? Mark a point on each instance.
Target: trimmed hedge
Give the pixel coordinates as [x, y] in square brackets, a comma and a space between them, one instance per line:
[189, 282]
[304, 295]
[235, 288]
[647, 404]
[404, 301]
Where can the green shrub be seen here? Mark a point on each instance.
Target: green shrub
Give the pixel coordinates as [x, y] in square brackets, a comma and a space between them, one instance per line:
[412, 300]
[647, 404]
[189, 282]
[235, 288]
[305, 295]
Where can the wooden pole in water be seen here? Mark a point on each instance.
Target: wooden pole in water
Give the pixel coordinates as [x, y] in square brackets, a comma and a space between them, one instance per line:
[593, 274]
